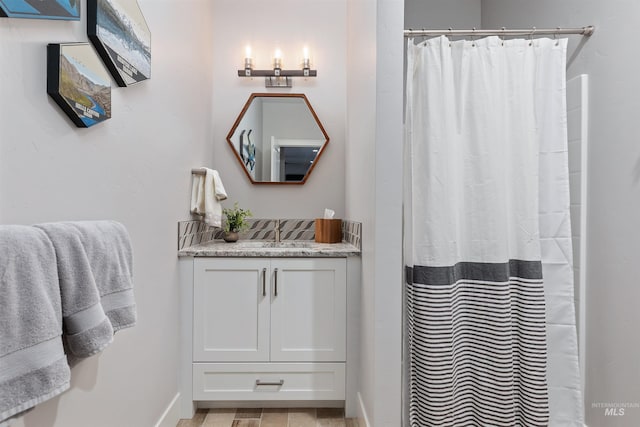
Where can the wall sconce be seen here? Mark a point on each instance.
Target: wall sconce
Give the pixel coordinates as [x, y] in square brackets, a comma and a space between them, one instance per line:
[277, 77]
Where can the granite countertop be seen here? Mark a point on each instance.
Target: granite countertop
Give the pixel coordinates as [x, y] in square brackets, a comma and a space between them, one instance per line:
[261, 248]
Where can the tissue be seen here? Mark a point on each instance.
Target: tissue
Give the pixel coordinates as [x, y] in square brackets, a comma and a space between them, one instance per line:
[328, 229]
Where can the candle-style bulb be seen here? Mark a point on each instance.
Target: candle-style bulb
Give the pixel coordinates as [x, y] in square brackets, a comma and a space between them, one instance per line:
[277, 62]
[305, 61]
[248, 62]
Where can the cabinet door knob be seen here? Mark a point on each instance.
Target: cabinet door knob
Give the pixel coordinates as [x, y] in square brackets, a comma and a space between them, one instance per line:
[275, 284]
[264, 282]
[276, 383]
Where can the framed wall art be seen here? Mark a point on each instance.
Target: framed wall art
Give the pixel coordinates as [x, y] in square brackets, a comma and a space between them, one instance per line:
[41, 9]
[120, 34]
[79, 83]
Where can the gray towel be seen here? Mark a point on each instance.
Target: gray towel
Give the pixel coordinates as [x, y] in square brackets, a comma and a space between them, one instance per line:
[87, 331]
[108, 249]
[33, 366]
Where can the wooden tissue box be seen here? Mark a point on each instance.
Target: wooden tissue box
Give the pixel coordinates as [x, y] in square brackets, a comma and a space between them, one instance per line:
[328, 230]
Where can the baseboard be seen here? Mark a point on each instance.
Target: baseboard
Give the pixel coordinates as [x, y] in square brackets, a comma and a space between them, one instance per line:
[362, 413]
[171, 415]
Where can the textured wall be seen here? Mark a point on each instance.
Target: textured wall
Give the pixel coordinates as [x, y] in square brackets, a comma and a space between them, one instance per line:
[133, 168]
[287, 25]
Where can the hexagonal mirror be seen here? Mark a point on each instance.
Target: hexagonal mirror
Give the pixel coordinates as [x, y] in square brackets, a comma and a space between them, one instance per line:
[277, 138]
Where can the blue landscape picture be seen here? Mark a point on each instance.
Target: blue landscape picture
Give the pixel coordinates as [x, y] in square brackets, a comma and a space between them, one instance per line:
[41, 9]
[121, 36]
[79, 83]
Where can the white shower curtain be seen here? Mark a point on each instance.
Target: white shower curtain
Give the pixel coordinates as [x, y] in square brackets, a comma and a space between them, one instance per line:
[490, 320]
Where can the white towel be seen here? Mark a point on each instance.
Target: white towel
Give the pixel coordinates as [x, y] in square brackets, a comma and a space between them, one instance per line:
[197, 195]
[206, 194]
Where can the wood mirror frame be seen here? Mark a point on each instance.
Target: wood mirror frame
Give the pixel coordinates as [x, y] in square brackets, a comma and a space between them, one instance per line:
[236, 140]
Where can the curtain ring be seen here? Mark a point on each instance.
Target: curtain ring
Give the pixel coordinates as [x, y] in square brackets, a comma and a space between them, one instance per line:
[503, 29]
[555, 36]
[450, 44]
[473, 38]
[533, 31]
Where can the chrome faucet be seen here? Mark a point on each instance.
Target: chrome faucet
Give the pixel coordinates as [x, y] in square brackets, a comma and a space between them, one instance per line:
[277, 230]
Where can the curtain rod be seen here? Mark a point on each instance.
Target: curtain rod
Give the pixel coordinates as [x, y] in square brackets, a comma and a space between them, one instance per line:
[585, 31]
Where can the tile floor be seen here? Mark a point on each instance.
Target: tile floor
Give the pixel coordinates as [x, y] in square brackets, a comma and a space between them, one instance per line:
[294, 417]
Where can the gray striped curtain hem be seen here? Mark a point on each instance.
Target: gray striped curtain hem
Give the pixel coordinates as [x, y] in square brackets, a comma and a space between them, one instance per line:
[477, 345]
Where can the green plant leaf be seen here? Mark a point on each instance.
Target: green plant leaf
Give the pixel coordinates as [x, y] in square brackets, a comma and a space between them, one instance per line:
[236, 218]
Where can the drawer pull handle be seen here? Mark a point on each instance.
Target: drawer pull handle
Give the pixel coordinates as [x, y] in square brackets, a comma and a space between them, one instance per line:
[277, 383]
[275, 288]
[264, 280]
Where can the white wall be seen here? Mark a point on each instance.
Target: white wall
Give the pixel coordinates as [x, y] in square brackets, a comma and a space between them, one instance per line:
[133, 168]
[288, 25]
[613, 349]
[439, 14]
[374, 196]
[388, 221]
[360, 176]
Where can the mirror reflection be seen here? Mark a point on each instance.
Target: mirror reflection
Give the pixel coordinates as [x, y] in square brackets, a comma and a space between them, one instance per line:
[277, 138]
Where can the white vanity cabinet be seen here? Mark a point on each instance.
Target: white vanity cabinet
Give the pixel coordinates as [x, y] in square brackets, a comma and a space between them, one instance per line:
[269, 329]
[231, 312]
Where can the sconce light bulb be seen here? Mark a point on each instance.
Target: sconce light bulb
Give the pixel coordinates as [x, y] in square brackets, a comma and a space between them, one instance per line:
[248, 62]
[277, 62]
[305, 61]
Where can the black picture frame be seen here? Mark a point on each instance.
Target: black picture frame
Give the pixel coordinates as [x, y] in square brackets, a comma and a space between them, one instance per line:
[66, 10]
[121, 36]
[78, 82]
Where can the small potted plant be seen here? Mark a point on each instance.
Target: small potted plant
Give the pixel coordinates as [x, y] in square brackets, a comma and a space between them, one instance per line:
[235, 221]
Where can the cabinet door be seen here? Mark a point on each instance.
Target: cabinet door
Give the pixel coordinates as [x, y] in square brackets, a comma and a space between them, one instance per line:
[230, 310]
[308, 310]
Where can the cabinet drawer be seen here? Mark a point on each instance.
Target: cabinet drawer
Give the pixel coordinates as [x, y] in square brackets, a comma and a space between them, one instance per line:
[268, 381]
